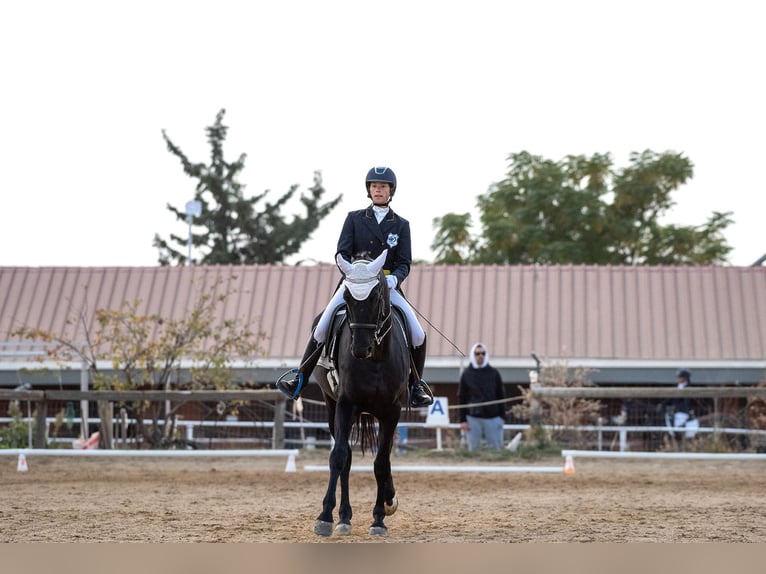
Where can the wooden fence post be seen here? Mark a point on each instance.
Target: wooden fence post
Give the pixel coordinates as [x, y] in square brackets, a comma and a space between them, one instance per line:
[106, 429]
[278, 435]
[41, 425]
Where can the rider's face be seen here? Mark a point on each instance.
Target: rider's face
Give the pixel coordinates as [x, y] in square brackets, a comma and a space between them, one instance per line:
[380, 192]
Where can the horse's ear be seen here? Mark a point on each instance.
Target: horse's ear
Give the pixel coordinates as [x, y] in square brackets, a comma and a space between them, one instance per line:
[343, 265]
[377, 265]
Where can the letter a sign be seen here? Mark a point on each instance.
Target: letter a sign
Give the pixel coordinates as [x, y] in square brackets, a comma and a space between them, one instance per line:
[438, 413]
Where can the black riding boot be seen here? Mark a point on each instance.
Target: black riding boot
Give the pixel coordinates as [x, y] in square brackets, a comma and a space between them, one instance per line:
[420, 394]
[292, 388]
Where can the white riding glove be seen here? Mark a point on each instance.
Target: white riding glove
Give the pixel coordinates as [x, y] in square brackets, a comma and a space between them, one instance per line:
[392, 281]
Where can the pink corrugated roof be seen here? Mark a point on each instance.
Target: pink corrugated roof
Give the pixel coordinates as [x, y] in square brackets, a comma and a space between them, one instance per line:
[624, 313]
[601, 312]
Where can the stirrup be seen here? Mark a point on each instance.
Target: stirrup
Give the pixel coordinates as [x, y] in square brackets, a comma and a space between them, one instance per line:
[283, 380]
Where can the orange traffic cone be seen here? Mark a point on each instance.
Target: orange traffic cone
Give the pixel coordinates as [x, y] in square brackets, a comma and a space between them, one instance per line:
[290, 463]
[21, 466]
[569, 465]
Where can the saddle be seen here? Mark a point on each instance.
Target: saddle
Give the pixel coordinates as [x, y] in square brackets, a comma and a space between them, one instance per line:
[328, 359]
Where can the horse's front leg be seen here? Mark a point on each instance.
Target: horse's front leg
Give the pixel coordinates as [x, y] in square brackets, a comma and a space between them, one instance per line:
[344, 510]
[385, 501]
[339, 463]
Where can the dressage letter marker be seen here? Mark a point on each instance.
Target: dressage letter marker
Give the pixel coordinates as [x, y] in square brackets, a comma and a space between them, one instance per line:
[438, 415]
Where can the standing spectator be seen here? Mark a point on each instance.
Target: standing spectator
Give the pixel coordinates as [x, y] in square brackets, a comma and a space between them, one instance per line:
[680, 409]
[681, 406]
[480, 384]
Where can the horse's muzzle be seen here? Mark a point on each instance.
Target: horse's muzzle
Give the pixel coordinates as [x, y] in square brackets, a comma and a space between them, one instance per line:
[362, 351]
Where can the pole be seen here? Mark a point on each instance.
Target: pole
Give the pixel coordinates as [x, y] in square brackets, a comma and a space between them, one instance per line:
[26, 387]
[278, 432]
[29, 421]
[41, 424]
[189, 219]
[193, 209]
[84, 403]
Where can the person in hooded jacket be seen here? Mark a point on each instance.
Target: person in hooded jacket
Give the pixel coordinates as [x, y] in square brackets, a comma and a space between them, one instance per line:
[480, 383]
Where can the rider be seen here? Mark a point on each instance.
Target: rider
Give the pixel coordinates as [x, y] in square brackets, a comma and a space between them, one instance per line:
[368, 232]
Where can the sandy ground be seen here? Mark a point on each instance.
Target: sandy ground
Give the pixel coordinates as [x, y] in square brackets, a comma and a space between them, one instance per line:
[67, 499]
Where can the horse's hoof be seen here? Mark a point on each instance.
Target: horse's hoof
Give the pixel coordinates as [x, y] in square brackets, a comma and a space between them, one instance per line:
[391, 508]
[343, 529]
[323, 528]
[378, 531]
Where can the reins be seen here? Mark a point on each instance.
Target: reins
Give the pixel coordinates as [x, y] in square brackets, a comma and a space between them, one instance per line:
[462, 354]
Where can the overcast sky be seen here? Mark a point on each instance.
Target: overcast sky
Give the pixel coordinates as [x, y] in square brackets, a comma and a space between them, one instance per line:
[441, 91]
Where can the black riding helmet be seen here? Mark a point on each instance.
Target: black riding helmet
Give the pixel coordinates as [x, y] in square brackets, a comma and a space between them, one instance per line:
[684, 374]
[384, 174]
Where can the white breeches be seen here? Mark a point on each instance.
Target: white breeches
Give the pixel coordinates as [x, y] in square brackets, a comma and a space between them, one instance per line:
[417, 335]
[679, 419]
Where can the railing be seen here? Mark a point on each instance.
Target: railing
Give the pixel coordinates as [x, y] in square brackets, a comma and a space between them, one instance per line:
[596, 392]
[282, 432]
[191, 436]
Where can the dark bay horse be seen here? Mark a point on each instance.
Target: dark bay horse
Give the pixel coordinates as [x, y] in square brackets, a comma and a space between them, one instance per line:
[372, 369]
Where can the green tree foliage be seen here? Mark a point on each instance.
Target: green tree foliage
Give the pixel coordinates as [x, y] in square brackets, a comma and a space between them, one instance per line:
[453, 243]
[582, 210]
[641, 196]
[234, 230]
[16, 433]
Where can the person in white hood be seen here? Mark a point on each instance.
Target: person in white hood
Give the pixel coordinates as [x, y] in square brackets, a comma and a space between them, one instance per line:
[481, 387]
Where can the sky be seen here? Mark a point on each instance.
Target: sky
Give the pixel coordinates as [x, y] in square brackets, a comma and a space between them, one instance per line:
[441, 91]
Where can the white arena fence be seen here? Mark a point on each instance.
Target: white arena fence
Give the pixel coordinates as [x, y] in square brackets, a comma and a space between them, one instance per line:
[255, 424]
[446, 468]
[146, 453]
[714, 456]
[610, 437]
[23, 453]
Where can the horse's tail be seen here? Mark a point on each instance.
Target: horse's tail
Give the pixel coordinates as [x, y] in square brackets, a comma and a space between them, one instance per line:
[366, 433]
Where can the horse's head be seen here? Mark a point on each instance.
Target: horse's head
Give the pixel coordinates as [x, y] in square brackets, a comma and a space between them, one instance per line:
[368, 304]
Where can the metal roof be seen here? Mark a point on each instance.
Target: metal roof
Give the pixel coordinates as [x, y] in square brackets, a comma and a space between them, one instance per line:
[597, 314]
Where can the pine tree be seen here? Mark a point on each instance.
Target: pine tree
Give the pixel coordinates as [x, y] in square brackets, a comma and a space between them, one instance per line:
[235, 229]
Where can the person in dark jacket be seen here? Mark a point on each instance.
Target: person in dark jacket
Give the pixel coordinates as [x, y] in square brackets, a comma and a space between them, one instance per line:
[680, 408]
[480, 383]
[368, 233]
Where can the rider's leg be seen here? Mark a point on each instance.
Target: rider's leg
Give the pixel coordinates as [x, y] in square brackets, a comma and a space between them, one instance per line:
[420, 394]
[292, 388]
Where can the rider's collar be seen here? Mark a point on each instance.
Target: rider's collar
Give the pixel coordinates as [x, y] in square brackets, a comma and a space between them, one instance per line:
[380, 211]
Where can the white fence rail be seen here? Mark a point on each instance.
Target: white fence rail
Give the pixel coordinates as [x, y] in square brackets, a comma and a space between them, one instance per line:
[665, 455]
[612, 435]
[150, 453]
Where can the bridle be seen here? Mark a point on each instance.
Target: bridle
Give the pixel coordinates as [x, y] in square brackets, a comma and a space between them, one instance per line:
[383, 321]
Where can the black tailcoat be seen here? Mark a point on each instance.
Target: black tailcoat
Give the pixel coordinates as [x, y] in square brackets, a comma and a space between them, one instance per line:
[362, 235]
